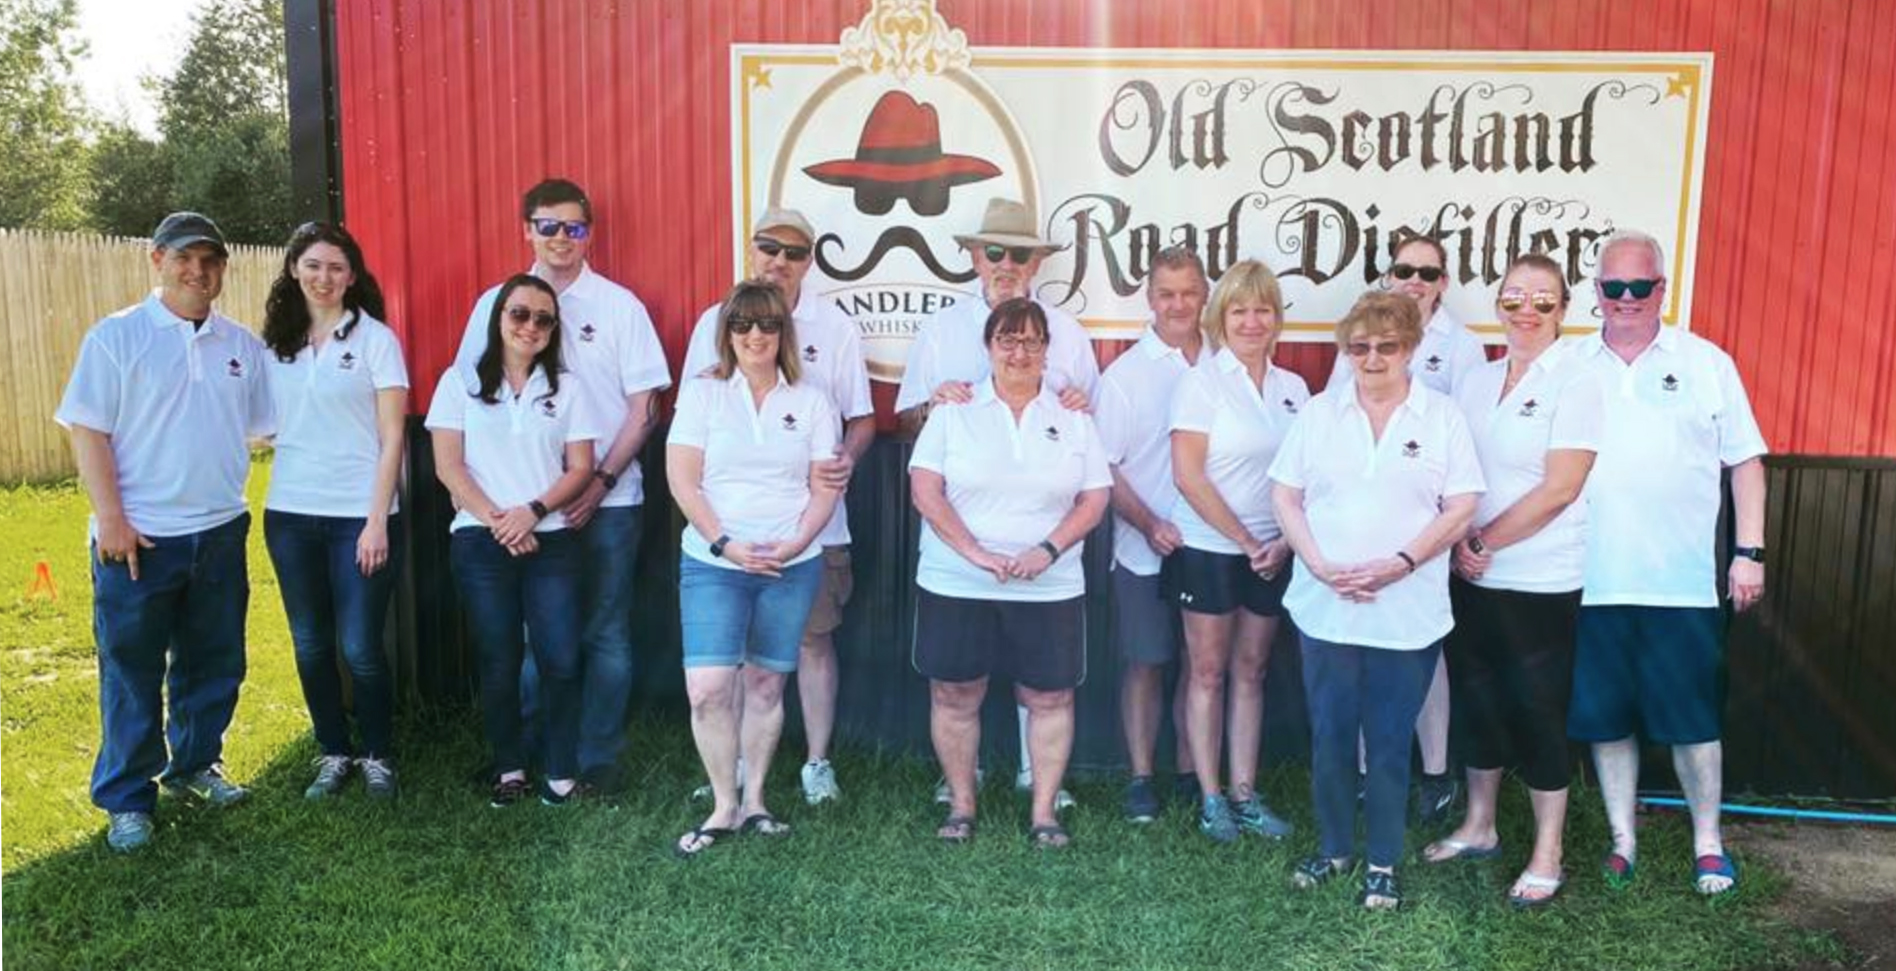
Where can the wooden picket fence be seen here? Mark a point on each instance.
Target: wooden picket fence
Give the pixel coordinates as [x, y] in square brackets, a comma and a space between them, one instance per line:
[53, 288]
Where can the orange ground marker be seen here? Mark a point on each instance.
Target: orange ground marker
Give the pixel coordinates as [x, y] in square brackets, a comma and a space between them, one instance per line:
[42, 585]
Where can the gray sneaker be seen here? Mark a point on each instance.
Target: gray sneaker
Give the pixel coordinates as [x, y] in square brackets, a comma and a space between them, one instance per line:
[209, 787]
[378, 776]
[819, 782]
[1215, 820]
[128, 831]
[331, 772]
[1253, 816]
[1141, 804]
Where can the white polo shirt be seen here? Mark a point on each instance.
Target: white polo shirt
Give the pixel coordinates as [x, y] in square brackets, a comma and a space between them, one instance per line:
[179, 403]
[1011, 483]
[328, 442]
[1364, 499]
[1243, 425]
[1675, 418]
[1556, 405]
[1133, 415]
[610, 351]
[830, 349]
[756, 473]
[1448, 351]
[949, 348]
[515, 448]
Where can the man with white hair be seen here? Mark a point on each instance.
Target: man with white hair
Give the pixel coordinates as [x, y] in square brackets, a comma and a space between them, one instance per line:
[1651, 640]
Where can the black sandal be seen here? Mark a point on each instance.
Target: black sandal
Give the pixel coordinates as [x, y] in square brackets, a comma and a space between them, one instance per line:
[1315, 871]
[702, 838]
[1050, 837]
[956, 830]
[764, 824]
[1381, 890]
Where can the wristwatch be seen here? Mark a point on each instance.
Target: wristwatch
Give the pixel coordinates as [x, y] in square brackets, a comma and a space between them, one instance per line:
[539, 508]
[611, 481]
[1053, 552]
[1753, 553]
[717, 545]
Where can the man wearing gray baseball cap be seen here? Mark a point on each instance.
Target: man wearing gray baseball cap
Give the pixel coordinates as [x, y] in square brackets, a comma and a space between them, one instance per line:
[163, 401]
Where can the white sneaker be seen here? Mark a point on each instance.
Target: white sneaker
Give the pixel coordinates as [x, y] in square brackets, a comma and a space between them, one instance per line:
[128, 831]
[944, 797]
[1062, 800]
[819, 783]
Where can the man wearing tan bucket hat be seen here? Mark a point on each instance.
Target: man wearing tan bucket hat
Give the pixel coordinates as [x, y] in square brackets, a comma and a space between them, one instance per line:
[948, 356]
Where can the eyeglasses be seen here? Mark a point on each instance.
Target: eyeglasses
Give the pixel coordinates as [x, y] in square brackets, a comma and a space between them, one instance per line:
[1010, 343]
[1403, 271]
[1021, 255]
[769, 325]
[1382, 348]
[541, 319]
[1640, 289]
[1543, 301]
[770, 247]
[549, 228]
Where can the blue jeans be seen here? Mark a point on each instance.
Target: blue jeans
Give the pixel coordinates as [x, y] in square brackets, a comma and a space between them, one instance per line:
[729, 617]
[500, 594]
[1378, 692]
[330, 604]
[609, 549]
[177, 630]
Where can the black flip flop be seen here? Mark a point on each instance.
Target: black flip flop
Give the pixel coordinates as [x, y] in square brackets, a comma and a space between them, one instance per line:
[1050, 837]
[703, 838]
[764, 824]
[963, 827]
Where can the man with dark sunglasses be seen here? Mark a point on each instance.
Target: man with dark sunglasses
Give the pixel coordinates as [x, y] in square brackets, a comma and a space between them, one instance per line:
[609, 345]
[1650, 645]
[830, 348]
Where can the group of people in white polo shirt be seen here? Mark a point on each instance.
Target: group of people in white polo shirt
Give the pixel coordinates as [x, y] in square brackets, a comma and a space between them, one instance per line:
[1500, 554]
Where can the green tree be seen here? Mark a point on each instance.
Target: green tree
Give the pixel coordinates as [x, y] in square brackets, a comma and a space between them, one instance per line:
[225, 119]
[131, 181]
[43, 120]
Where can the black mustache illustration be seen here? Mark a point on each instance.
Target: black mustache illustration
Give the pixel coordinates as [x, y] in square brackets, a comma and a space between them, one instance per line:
[896, 237]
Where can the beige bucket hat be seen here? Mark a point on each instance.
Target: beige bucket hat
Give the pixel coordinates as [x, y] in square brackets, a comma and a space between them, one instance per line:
[1007, 223]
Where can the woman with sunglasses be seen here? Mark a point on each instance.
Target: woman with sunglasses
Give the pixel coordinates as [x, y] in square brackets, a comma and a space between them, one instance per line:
[1448, 350]
[1229, 415]
[743, 460]
[513, 444]
[1373, 485]
[1535, 416]
[341, 393]
[1009, 483]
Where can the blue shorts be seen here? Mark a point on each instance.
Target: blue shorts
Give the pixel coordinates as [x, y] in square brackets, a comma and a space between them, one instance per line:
[1653, 672]
[729, 617]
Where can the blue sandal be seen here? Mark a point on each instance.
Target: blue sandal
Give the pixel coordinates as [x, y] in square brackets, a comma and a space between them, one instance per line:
[1714, 866]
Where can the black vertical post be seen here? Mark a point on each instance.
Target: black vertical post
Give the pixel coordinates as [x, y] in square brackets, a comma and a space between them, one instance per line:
[309, 32]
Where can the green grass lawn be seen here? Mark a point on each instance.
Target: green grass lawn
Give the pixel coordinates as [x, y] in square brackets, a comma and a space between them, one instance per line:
[438, 881]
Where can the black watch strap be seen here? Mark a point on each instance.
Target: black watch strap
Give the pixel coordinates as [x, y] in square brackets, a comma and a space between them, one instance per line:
[538, 507]
[1053, 552]
[1753, 553]
[718, 545]
[611, 481]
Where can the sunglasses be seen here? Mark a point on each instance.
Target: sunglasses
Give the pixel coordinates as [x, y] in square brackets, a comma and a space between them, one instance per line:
[549, 228]
[1009, 344]
[1021, 255]
[1382, 348]
[1543, 301]
[1640, 289]
[769, 325]
[770, 248]
[541, 319]
[1403, 271]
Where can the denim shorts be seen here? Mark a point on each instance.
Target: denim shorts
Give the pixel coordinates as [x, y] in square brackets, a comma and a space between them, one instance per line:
[730, 617]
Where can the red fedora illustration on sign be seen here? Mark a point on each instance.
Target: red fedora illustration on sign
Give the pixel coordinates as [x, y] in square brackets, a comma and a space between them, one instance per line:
[899, 156]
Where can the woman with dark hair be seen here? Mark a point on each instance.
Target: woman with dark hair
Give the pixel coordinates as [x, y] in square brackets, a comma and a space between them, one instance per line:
[513, 444]
[746, 442]
[1009, 484]
[1536, 419]
[341, 394]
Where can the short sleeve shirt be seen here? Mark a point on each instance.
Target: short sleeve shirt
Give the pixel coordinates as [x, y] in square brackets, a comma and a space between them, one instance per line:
[328, 439]
[611, 351]
[949, 348]
[1556, 405]
[1133, 415]
[1011, 483]
[1364, 498]
[756, 472]
[179, 402]
[1243, 424]
[514, 448]
[1448, 351]
[830, 349]
[1675, 418]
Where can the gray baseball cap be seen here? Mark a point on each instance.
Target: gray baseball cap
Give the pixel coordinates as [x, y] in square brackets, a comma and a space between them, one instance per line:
[181, 229]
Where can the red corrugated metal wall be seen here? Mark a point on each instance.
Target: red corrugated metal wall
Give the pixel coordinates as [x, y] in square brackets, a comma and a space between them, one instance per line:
[450, 108]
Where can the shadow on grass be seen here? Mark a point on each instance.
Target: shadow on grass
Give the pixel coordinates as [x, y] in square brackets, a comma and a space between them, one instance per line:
[437, 880]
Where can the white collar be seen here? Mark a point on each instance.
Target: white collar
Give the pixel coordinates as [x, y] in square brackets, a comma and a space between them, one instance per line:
[1155, 348]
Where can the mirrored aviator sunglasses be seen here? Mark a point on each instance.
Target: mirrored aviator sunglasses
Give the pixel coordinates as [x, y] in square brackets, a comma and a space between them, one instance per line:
[1543, 301]
[1618, 289]
[549, 228]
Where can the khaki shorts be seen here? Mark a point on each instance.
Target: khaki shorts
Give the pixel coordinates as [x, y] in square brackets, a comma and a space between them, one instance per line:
[839, 581]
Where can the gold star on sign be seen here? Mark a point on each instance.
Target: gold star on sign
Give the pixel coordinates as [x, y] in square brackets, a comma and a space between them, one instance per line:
[1678, 84]
[760, 78]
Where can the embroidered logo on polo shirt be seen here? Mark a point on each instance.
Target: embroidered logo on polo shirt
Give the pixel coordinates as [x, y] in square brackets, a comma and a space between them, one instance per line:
[234, 368]
[1434, 363]
[1530, 408]
[1670, 383]
[1053, 434]
[809, 353]
[1290, 406]
[549, 409]
[587, 332]
[347, 361]
[1411, 449]
[789, 422]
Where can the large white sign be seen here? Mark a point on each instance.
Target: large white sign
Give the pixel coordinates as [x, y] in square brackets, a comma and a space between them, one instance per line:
[1314, 162]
